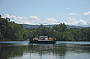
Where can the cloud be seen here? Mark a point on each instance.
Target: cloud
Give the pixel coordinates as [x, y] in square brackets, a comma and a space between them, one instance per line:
[72, 13]
[83, 22]
[34, 17]
[75, 21]
[50, 21]
[86, 13]
[70, 21]
[68, 8]
[34, 20]
[22, 19]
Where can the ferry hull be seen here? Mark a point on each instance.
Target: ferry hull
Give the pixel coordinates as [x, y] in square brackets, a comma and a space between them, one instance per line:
[44, 42]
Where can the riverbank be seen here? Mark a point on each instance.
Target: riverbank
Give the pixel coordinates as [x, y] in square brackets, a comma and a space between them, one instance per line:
[57, 42]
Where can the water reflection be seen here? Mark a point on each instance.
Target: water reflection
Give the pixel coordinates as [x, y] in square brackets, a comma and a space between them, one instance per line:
[11, 51]
[44, 51]
[49, 50]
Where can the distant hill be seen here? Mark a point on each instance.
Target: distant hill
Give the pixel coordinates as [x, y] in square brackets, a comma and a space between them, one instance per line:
[27, 26]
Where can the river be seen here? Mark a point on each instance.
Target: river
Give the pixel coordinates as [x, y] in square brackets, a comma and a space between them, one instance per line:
[60, 50]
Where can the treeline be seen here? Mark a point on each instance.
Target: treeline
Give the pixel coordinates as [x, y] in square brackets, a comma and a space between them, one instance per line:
[62, 33]
[9, 30]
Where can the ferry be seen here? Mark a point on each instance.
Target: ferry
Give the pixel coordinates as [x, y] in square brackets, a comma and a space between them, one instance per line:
[43, 40]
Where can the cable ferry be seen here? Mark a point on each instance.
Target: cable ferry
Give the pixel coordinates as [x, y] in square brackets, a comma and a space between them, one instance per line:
[43, 40]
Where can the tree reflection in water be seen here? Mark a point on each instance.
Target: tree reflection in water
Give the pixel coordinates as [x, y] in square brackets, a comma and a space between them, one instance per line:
[58, 51]
[11, 51]
[43, 51]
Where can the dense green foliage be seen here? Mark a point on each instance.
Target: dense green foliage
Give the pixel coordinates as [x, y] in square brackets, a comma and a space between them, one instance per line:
[9, 30]
[61, 33]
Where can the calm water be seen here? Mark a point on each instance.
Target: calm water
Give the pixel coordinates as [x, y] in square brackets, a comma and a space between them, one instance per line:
[61, 50]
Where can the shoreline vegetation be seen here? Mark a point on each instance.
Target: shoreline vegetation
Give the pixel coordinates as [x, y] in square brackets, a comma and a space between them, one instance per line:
[11, 31]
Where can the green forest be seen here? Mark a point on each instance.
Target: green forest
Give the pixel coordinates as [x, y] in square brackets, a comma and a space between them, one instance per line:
[11, 31]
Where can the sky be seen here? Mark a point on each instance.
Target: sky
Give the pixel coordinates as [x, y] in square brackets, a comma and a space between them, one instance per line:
[33, 12]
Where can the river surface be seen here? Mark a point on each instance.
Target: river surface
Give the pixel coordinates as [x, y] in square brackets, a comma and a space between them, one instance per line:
[60, 50]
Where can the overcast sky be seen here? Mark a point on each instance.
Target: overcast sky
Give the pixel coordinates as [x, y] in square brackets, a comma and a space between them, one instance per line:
[71, 12]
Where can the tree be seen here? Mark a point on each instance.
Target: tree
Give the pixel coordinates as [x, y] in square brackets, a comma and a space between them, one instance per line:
[0, 16]
[10, 30]
[60, 28]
